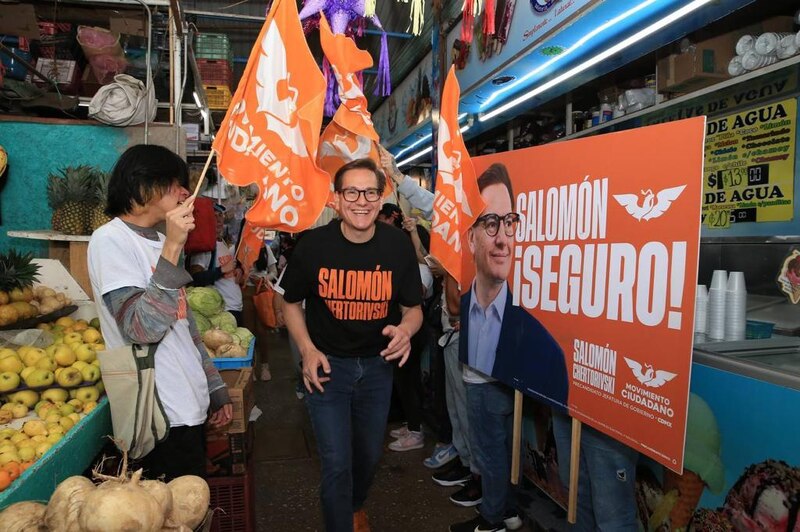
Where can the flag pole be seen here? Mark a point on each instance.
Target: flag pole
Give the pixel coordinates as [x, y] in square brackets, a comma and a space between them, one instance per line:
[203, 174]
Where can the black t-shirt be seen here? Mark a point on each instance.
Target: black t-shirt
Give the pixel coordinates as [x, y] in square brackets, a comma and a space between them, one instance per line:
[352, 291]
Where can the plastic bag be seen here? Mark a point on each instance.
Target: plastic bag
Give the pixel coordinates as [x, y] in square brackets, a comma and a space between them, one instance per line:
[123, 102]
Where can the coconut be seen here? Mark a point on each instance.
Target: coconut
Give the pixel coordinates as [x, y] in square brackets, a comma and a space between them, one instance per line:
[66, 503]
[23, 517]
[190, 500]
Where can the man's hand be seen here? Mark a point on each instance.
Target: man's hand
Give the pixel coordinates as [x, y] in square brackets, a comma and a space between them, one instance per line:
[435, 266]
[228, 266]
[410, 224]
[180, 221]
[313, 359]
[399, 345]
[390, 165]
[221, 417]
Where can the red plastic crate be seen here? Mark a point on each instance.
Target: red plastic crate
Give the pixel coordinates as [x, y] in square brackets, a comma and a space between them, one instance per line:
[233, 503]
[215, 71]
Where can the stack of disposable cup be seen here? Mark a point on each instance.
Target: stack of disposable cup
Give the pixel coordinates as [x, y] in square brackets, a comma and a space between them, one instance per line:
[787, 47]
[735, 307]
[716, 305]
[735, 67]
[753, 60]
[767, 43]
[745, 44]
[700, 309]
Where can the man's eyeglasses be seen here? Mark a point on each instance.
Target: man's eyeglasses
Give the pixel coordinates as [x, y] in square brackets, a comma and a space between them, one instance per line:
[352, 194]
[491, 223]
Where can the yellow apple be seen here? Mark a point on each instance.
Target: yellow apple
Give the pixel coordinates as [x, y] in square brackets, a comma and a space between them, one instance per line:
[11, 363]
[18, 438]
[8, 381]
[8, 447]
[9, 457]
[91, 336]
[85, 353]
[99, 346]
[77, 404]
[26, 397]
[40, 377]
[26, 371]
[6, 352]
[65, 321]
[55, 394]
[54, 437]
[39, 438]
[34, 427]
[50, 350]
[100, 387]
[66, 423]
[19, 410]
[24, 349]
[46, 364]
[88, 394]
[73, 337]
[53, 416]
[69, 377]
[66, 409]
[91, 373]
[64, 356]
[26, 453]
[74, 417]
[73, 393]
[43, 448]
[79, 364]
[32, 356]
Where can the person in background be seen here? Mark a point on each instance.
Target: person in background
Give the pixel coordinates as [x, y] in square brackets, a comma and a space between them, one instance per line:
[137, 273]
[264, 266]
[349, 338]
[219, 267]
[607, 478]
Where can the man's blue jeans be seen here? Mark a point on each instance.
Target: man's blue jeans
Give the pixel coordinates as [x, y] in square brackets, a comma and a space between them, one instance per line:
[606, 481]
[349, 421]
[490, 408]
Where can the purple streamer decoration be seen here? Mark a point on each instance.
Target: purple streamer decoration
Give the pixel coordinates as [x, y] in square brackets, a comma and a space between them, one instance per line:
[384, 85]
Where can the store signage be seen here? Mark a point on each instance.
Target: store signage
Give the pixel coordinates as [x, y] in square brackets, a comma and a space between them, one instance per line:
[749, 166]
[605, 257]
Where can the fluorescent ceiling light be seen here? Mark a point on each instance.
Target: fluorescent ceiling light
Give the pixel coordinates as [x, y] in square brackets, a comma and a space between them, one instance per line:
[203, 113]
[197, 100]
[415, 156]
[615, 49]
[426, 137]
[465, 127]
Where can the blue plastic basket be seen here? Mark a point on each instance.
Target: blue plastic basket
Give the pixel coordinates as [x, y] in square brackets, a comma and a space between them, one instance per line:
[756, 330]
[241, 362]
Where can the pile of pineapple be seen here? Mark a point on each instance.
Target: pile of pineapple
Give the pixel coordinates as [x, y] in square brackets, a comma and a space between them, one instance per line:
[19, 300]
[77, 195]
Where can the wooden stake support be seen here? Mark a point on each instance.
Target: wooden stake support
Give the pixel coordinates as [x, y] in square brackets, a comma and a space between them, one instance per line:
[203, 174]
[516, 444]
[574, 468]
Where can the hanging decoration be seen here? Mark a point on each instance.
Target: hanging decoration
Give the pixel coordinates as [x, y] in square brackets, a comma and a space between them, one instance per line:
[417, 15]
[469, 12]
[348, 17]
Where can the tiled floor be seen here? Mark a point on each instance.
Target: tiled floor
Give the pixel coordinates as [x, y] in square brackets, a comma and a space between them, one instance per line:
[403, 498]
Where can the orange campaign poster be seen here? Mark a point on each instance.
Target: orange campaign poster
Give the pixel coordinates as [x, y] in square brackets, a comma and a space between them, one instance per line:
[604, 258]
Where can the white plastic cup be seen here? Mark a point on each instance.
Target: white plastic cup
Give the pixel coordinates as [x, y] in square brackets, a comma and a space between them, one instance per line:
[797, 39]
[736, 282]
[767, 43]
[701, 294]
[753, 60]
[787, 47]
[735, 67]
[745, 44]
[719, 280]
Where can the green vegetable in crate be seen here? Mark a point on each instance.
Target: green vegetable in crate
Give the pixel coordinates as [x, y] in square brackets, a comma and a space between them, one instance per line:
[205, 300]
[244, 336]
[202, 323]
[225, 321]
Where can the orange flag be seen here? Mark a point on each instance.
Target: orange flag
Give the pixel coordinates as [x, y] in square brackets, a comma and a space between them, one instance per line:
[351, 134]
[270, 133]
[250, 242]
[458, 201]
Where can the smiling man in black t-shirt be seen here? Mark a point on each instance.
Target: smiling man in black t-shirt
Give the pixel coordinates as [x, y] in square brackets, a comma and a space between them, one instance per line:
[361, 285]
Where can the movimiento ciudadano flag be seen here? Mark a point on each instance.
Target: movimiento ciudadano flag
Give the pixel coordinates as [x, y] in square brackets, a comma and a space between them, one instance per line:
[458, 201]
[270, 133]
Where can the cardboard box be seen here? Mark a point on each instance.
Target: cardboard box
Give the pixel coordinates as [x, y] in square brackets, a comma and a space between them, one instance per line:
[705, 63]
[240, 388]
[19, 20]
[228, 454]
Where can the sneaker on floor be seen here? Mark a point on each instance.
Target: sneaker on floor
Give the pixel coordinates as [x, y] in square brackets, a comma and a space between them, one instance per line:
[477, 524]
[265, 373]
[412, 440]
[360, 521]
[469, 495]
[399, 432]
[442, 454]
[453, 476]
[300, 390]
[511, 519]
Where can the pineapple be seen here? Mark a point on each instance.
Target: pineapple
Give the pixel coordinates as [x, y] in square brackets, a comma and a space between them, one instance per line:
[68, 195]
[17, 274]
[97, 214]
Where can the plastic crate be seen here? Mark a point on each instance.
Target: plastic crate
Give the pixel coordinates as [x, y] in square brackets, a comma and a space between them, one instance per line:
[215, 71]
[233, 503]
[240, 362]
[218, 96]
[755, 330]
[213, 46]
